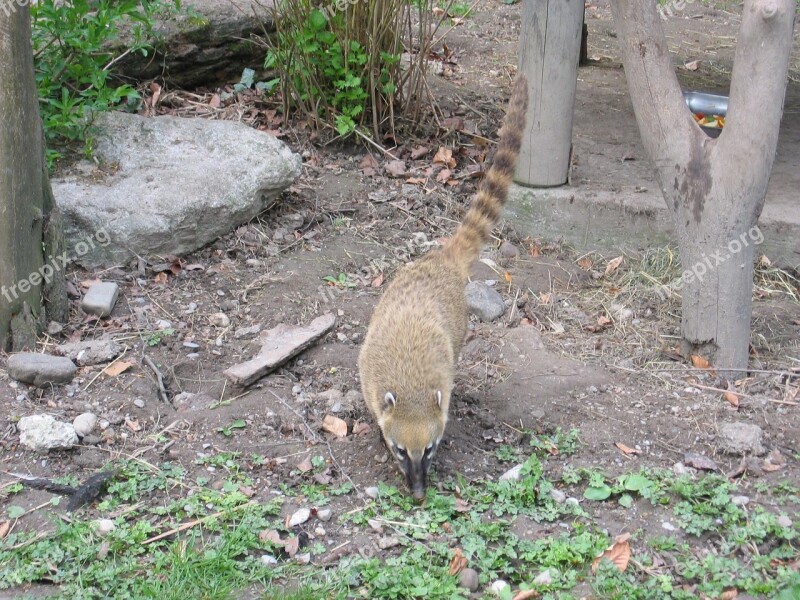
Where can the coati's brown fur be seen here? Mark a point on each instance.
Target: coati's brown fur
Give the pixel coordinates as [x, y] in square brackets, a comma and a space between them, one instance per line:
[407, 363]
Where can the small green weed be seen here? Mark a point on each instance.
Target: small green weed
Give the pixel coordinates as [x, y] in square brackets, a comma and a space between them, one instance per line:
[340, 281]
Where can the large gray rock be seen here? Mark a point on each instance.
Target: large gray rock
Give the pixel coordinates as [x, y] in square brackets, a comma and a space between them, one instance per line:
[209, 42]
[92, 352]
[40, 369]
[42, 433]
[484, 301]
[178, 185]
[740, 438]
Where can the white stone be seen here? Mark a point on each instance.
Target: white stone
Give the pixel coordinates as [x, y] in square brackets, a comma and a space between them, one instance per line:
[100, 299]
[42, 433]
[84, 423]
[512, 474]
[104, 526]
[498, 587]
[544, 578]
[299, 517]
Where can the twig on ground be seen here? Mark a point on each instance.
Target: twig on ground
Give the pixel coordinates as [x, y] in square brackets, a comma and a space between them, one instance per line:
[162, 391]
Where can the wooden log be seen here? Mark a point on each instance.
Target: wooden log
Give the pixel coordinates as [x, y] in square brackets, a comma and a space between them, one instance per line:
[549, 50]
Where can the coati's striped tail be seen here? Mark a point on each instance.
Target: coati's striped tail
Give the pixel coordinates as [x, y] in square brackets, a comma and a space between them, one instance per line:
[487, 206]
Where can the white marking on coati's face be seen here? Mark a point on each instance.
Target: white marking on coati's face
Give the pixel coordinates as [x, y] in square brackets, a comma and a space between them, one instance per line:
[412, 429]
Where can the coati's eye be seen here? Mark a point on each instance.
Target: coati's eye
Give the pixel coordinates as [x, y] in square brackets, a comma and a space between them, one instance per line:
[400, 452]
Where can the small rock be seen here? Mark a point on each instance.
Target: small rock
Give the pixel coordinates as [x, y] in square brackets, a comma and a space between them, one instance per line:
[219, 319]
[740, 438]
[559, 496]
[372, 491]
[509, 250]
[573, 501]
[740, 500]
[320, 531]
[385, 543]
[41, 369]
[303, 559]
[100, 299]
[138, 403]
[84, 424]
[484, 302]
[353, 398]
[42, 433]
[784, 521]
[376, 525]
[680, 469]
[512, 474]
[247, 332]
[163, 324]
[698, 461]
[331, 396]
[191, 345]
[104, 526]
[299, 517]
[324, 514]
[93, 352]
[621, 313]
[498, 587]
[668, 526]
[91, 440]
[468, 579]
[268, 560]
[54, 328]
[544, 578]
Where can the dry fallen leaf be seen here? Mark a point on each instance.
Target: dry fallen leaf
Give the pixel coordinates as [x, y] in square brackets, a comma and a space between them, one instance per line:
[133, 425]
[444, 156]
[161, 278]
[416, 180]
[731, 398]
[764, 261]
[603, 321]
[585, 263]
[419, 152]
[378, 281]
[396, 168]
[462, 505]
[626, 449]
[618, 553]
[118, 368]
[613, 265]
[292, 545]
[699, 362]
[525, 594]
[272, 536]
[361, 428]
[368, 162]
[5, 527]
[458, 562]
[507, 277]
[692, 65]
[334, 425]
[444, 175]
[729, 594]
[305, 466]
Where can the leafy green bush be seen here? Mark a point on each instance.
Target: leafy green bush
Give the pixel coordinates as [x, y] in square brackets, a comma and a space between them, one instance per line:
[75, 46]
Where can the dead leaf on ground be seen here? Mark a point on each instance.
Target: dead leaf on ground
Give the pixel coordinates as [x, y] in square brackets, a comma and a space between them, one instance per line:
[585, 263]
[5, 527]
[419, 152]
[334, 425]
[361, 428]
[161, 278]
[292, 545]
[613, 265]
[378, 281]
[444, 156]
[627, 450]
[305, 466]
[133, 425]
[215, 101]
[619, 553]
[462, 505]
[729, 594]
[444, 175]
[453, 123]
[692, 65]
[764, 261]
[458, 562]
[526, 594]
[699, 362]
[368, 162]
[604, 321]
[396, 168]
[272, 536]
[731, 398]
[416, 180]
[118, 368]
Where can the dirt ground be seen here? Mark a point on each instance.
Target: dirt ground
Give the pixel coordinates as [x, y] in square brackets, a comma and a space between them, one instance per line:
[576, 348]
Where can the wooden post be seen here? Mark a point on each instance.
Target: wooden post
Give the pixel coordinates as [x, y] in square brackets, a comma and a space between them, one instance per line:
[549, 50]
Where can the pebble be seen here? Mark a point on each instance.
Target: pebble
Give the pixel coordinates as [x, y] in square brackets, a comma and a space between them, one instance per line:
[740, 500]
[509, 250]
[468, 579]
[784, 521]
[84, 423]
[372, 491]
[320, 531]
[544, 578]
[246, 332]
[138, 403]
[498, 587]
[668, 526]
[100, 299]
[163, 324]
[54, 328]
[559, 496]
[376, 525]
[512, 474]
[299, 517]
[324, 514]
[303, 559]
[93, 352]
[219, 319]
[192, 345]
[385, 543]
[268, 560]
[740, 438]
[104, 526]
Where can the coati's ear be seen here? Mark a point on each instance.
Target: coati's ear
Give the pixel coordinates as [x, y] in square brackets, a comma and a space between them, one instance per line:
[389, 401]
[439, 398]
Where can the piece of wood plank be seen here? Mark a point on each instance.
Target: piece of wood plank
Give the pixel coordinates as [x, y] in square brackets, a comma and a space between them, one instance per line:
[278, 345]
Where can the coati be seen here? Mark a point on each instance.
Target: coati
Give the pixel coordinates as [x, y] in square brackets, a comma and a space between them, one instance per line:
[407, 362]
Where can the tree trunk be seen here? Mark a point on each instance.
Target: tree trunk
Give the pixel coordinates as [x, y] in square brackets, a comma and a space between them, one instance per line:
[29, 222]
[714, 187]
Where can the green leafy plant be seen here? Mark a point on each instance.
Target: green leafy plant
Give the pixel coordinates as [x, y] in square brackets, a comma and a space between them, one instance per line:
[76, 45]
[227, 430]
[340, 281]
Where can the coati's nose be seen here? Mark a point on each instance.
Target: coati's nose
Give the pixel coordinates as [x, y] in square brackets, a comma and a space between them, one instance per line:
[418, 493]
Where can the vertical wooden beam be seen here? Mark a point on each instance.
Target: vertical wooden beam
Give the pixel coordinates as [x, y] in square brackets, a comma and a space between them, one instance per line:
[549, 50]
